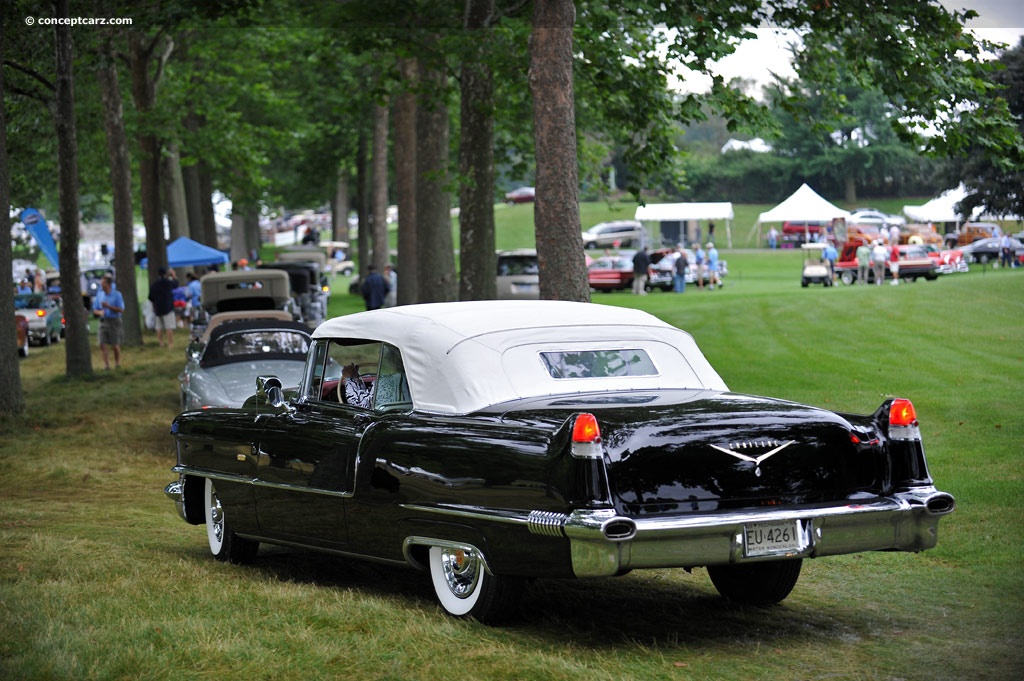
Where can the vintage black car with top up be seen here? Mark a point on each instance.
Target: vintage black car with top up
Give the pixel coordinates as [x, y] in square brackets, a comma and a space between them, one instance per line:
[489, 443]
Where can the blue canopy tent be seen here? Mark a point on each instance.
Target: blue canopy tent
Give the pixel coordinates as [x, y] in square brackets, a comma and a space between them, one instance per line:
[184, 252]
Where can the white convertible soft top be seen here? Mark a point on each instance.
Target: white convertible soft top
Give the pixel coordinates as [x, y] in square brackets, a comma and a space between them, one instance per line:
[463, 357]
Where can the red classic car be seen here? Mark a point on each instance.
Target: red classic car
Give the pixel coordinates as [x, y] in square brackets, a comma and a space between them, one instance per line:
[947, 261]
[611, 272]
[914, 263]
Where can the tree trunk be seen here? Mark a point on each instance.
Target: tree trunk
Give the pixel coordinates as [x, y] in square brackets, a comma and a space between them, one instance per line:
[192, 184]
[245, 231]
[193, 202]
[174, 193]
[436, 263]
[121, 189]
[238, 248]
[405, 182]
[362, 204]
[339, 215]
[252, 232]
[12, 399]
[144, 96]
[851, 189]
[78, 355]
[477, 259]
[563, 273]
[209, 220]
[381, 251]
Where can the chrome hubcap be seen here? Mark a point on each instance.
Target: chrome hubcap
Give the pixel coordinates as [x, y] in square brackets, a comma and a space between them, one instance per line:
[461, 571]
[216, 517]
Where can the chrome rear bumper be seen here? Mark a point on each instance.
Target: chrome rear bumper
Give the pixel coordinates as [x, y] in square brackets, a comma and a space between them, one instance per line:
[603, 544]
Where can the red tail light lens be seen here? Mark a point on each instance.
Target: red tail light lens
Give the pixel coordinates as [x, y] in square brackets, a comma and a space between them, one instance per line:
[902, 413]
[586, 429]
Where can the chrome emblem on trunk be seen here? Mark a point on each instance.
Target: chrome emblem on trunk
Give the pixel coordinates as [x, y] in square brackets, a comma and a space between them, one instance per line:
[753, 446]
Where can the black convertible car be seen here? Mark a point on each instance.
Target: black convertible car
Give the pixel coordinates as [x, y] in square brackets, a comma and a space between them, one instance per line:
[489, 443]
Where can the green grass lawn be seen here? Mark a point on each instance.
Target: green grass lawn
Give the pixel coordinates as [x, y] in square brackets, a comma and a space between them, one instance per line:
[102, 580]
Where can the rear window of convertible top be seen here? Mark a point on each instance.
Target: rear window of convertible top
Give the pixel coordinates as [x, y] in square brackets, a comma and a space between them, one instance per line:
[598, 363]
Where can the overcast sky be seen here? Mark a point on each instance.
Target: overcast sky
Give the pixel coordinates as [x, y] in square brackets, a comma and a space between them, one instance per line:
[999, 21]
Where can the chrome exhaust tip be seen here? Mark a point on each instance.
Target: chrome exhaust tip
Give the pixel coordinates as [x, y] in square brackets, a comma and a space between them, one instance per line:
[619, 529]
[940, 504]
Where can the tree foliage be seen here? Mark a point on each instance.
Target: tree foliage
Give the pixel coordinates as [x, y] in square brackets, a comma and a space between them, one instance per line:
[995, 178]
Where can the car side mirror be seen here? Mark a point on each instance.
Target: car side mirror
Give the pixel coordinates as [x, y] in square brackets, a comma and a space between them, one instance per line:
[269, 392]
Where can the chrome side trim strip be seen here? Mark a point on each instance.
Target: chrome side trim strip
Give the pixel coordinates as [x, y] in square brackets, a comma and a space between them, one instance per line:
[472, 513]
[256, 482]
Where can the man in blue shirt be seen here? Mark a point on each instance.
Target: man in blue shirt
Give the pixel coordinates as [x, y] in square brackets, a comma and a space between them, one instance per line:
[109, 306]
[713, 277]
[831, 255]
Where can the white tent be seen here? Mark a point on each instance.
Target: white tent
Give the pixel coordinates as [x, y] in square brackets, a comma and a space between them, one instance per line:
[688, 212]
[943, 209]
[803, 205]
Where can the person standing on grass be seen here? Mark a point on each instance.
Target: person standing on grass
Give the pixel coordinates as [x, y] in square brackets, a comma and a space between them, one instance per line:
[701, 258]
[680, 267]
[374, 289]
[894, 264]
[161, 294]
[641, 263]
[195, 291]
[713, 277]
[863, 262]
[109, 306]
[879, 260]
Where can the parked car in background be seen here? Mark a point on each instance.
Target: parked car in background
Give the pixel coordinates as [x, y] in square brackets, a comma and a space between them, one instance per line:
[507, 441]
[970, 232]
[798, 232]
[866, 233]
[947, 261]
[21, 335]
[518, 275]
[914, 264]
[520, 195]
[616, 234]
[310, 287]
[989, 249]
[662, 272]
[873, 216]
[43, 314]
[241, 290]
[612, 272]
[920, 234]
[221, 371]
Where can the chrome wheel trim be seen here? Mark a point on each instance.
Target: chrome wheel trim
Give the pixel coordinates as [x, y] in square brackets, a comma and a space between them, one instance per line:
[461, 572]
[458, 578]
[214, 519]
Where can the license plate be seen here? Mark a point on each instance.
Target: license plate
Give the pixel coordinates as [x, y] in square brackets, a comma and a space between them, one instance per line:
[773, 538]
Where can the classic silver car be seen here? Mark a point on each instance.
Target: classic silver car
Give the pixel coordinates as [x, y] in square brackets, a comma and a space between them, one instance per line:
[44, 316]
[223, 364]
[489, 443]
